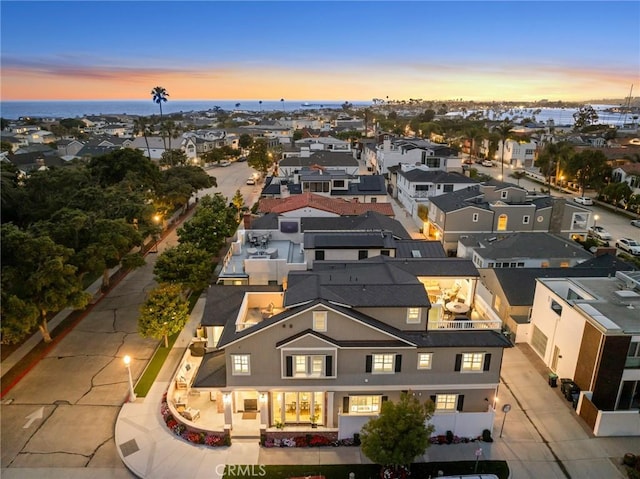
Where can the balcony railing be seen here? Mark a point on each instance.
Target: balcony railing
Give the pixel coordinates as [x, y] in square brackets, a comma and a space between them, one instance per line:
[461, 324]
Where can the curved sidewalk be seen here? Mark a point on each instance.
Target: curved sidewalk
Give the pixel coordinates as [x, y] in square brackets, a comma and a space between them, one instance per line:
[541, 437]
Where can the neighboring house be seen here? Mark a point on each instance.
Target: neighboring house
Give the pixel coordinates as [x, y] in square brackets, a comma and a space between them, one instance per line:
[324, 143]
[434, 156]
[325, 160]
[415, 184]
[312, 204]
[588, 330]
[156, 145]
[69, 147]
[27, 163]
[495, 207]
[630, 174]
[91, 151]
[506, 294]
[517, 154]
[15, 142]
[37, 136]
[345, 123]
[521, 250]
[268, 247]
[330, 183]
[336, 344]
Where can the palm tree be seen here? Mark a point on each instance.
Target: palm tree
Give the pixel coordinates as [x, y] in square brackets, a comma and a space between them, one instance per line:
[159, 95]
[140, 125]
[553, 158]
[260, 103]
[504, 130]
[282, 102]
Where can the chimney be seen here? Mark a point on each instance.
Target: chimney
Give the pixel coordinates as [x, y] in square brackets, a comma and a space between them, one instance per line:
[246, 219]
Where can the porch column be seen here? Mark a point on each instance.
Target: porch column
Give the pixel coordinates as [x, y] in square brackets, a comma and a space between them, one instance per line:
[263, 400]
[227, 400]
[329, 407]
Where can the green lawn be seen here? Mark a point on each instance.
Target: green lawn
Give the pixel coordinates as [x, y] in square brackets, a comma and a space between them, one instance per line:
[366, 471]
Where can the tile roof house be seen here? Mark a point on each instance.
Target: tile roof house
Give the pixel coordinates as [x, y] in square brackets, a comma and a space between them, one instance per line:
[337, 343]
[312, 204]
[495, 207]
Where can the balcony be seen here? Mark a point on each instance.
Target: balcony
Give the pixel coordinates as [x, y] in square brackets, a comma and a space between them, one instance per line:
[464, 323]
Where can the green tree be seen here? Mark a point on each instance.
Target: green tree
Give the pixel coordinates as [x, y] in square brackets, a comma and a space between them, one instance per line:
[165, 312]
[585, 116]
[141, 126]
[587, 166]
[238, 202]
[245, 141]
[37, 279]
[177, 185]
[260, 158]
[186, 265]
[210, 225]
[6, 146]
[125, 165]
[173, 158]
[618, 192]
[399, 434]
[159, 95]
[518, 175]
[504, 131]
[554, 156]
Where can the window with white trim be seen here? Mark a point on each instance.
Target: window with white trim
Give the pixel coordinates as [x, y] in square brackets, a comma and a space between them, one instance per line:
[319, 320]
[383, 363]
[300, 365]
[240, 364]
[446, 402]
[413, 315]
[425, 360]
[475, 217]
[472, 361]
[525, 219]
[364, 404]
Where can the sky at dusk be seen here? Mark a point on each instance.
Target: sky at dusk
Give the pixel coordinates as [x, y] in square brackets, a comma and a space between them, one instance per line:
[327, 50]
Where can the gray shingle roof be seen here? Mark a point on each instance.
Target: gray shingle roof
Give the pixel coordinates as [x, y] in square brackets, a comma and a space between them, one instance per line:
[370, 221]
[531, 245]
[212, 372]
[322, 158]
[348, 240]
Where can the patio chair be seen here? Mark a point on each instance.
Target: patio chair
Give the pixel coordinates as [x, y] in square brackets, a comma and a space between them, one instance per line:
[268, 311]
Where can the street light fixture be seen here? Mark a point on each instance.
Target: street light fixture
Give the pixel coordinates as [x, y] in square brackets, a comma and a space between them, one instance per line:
[505, 409]
[132, 393]
[595, 220]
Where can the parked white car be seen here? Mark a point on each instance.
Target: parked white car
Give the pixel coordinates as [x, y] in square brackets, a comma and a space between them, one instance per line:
[599, 232]
[628, 245]
[635, 223]
[487, 163]
[583, 200]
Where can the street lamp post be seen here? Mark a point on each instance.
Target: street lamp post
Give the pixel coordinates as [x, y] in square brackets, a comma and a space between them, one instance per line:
[505, 409]
[132, 393]
[595, 221]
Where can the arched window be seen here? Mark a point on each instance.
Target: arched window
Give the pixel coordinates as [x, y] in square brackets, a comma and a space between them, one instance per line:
[502, 222]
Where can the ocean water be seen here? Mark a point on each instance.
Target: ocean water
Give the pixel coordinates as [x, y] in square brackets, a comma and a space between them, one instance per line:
[76, 109]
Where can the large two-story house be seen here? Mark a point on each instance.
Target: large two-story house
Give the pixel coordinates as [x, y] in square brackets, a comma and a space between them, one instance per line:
[415, 184]
[496, 207]
[337, 343]
[396, 151]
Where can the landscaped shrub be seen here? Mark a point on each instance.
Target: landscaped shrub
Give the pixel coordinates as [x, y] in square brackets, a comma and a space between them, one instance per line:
[486, 436]
[195, 437]
[449, 437]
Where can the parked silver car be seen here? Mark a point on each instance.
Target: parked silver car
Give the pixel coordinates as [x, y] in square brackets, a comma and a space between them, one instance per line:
[628, 245]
